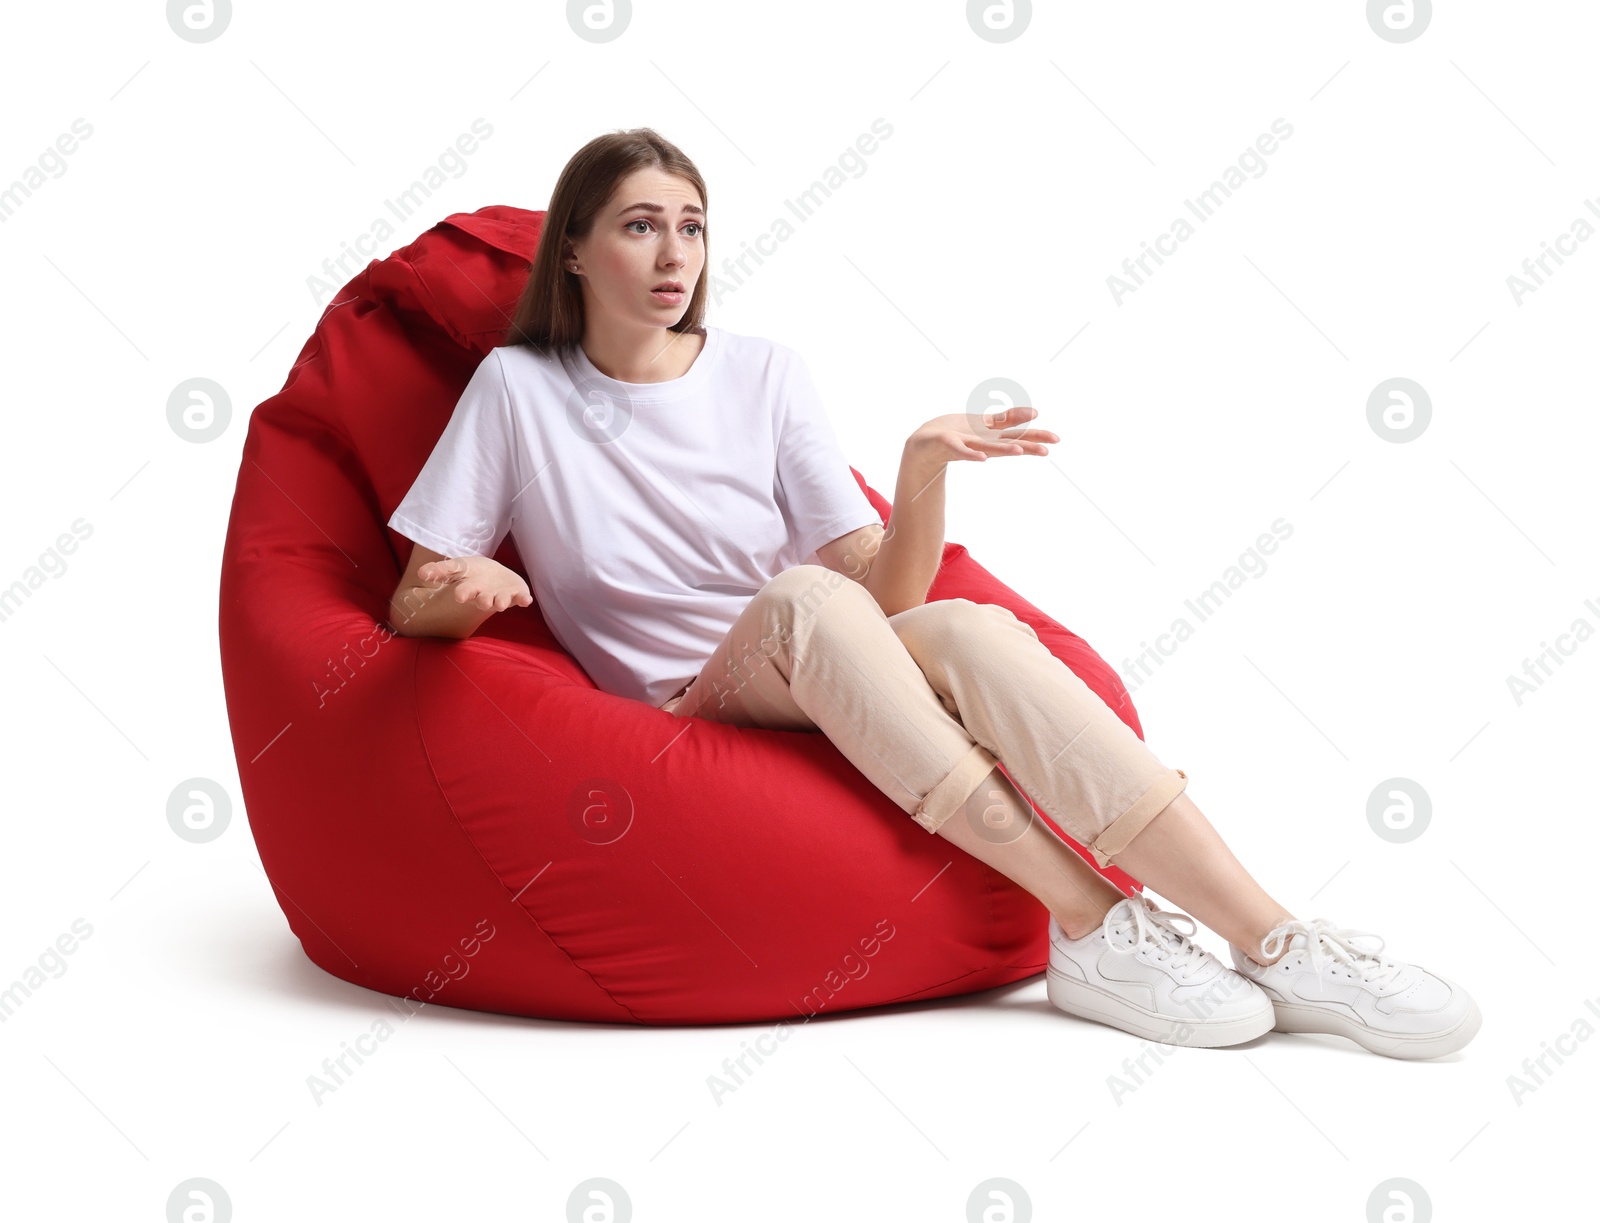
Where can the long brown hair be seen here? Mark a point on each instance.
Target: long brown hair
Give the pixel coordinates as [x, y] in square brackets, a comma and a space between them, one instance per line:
[549, 314]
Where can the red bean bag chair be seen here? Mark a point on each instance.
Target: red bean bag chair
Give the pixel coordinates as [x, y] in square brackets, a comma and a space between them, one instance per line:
[473, 823]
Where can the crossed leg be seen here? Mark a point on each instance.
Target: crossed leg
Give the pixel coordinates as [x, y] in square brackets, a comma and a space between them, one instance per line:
[929, 702]
[1179, 853]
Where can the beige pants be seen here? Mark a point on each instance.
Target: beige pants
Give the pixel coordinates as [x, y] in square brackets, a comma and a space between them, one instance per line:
[926, 701]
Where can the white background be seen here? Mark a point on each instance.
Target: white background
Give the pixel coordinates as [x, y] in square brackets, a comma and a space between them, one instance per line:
[1230, 390]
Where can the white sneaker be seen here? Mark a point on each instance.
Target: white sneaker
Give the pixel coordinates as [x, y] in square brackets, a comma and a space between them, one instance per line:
[1138, 973]
[1326, 983]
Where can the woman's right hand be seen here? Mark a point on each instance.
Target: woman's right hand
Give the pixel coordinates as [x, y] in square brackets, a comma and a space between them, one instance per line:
[479, 580]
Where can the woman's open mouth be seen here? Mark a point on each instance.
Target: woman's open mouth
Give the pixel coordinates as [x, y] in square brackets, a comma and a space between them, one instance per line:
[672, 297]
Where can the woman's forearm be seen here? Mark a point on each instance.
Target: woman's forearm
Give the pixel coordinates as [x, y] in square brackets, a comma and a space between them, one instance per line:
[913, 543]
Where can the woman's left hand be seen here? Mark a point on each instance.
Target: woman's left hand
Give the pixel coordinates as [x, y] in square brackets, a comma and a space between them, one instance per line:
[975, 436]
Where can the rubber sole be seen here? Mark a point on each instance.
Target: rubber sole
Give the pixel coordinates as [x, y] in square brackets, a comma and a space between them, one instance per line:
[1292, 1018]
[1090, 1002]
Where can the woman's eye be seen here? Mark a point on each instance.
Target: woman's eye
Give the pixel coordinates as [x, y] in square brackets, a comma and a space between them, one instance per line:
[699, 228]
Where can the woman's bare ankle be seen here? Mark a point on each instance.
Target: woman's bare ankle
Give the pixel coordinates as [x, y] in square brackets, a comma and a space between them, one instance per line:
[1080, 920]
[1253, 948]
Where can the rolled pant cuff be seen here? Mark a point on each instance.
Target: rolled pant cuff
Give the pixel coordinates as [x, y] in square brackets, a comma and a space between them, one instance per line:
[1132, 821]
[946, 798]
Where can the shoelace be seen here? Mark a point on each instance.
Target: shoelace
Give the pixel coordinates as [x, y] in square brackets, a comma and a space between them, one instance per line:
[1155, 926]
[1327, 943]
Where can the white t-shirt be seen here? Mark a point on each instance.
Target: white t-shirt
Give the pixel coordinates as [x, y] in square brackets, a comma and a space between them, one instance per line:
[647, 514]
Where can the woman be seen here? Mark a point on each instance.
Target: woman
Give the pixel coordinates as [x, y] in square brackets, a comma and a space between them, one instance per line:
[719, 560]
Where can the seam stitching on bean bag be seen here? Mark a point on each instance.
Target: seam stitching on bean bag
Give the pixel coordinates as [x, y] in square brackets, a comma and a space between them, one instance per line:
[916, 995]
[427, 756]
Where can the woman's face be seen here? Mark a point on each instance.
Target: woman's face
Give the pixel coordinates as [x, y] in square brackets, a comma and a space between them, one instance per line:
[650, 231]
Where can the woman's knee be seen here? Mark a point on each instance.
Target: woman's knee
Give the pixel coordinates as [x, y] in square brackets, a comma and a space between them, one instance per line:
[807, 589]
[946, 623]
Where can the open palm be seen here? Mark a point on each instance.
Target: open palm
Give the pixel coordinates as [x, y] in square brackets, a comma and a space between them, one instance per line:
[976, 435]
